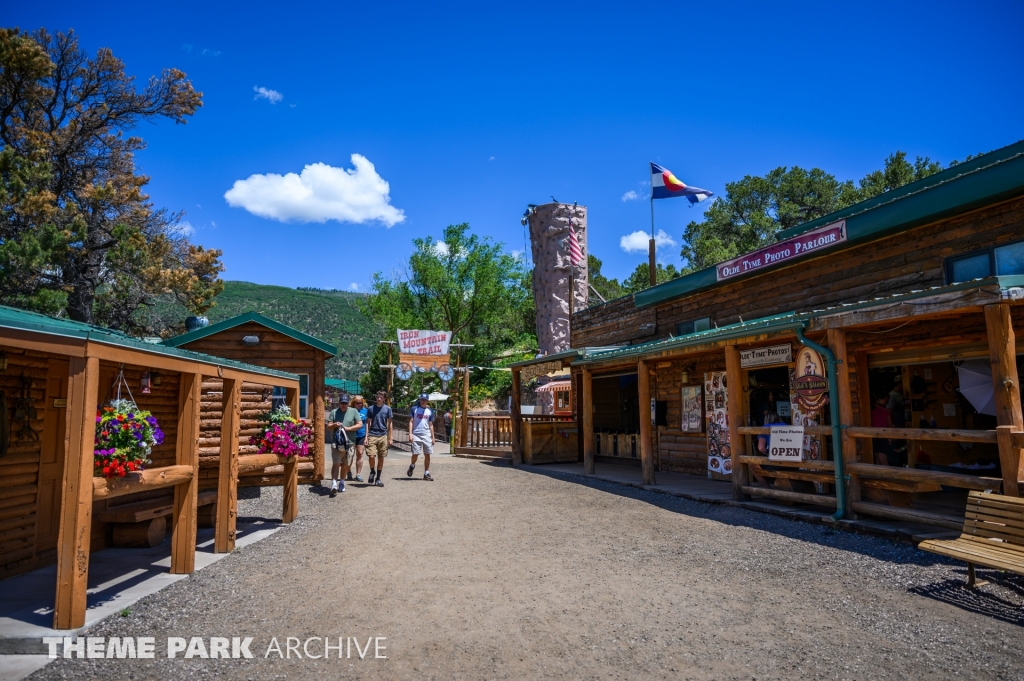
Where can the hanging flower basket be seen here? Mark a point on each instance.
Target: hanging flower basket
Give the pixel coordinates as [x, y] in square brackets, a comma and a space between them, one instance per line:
[282, 435]
[125, 436]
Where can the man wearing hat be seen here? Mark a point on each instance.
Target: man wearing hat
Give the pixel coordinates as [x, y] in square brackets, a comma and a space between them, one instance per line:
[343, 423]
[421, 434]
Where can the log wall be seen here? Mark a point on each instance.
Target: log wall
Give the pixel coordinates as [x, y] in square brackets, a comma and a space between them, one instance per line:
[682, 452]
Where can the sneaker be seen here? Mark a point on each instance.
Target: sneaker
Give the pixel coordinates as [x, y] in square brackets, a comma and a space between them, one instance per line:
[426, 476]
[348, 477]
[341, 487]
[334, 492]
[359, 478]
[408, 473]
[379, 483]
[371, 477]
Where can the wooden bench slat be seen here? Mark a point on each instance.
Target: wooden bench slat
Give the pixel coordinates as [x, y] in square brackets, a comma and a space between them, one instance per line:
[995, 513]
[987, 533]
[994, 544]
[1007, 525]
[998, 501]
[987, 552]
[988, 561]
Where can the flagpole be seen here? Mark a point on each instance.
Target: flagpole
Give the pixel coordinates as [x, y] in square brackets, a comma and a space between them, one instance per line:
[650, 247]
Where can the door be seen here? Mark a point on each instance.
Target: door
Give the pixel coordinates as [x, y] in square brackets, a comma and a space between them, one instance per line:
[51, 459]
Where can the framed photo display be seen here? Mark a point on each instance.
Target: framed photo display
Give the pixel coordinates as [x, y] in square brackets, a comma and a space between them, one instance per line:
[692, 419]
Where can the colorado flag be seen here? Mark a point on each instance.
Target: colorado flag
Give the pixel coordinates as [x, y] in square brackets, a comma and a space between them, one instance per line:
[665, 185]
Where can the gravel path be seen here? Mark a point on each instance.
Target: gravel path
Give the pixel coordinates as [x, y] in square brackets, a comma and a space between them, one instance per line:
[502, 573]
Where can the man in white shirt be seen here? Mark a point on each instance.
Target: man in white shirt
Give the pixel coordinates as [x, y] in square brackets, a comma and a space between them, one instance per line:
[421, 434]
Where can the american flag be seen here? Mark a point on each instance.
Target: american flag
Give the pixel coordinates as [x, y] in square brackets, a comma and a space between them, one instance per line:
[575, 252]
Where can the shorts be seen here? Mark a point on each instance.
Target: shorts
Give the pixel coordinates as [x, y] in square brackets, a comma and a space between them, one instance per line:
[422, 446]
[341, 456]
[377, 445]
[360, 440]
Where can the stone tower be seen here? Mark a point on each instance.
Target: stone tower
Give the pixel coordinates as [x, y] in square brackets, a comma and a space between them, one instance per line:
[549, 238]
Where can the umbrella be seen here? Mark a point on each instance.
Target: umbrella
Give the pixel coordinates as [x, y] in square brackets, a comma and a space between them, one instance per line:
[437, 397]
[976, 385]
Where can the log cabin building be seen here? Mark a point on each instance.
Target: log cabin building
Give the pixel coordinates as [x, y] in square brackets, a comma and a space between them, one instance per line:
[261, 341]
[54, 375]
[888, 330]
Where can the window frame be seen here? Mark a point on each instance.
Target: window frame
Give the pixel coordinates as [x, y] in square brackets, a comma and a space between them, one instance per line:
[990, 251]
[277, 397]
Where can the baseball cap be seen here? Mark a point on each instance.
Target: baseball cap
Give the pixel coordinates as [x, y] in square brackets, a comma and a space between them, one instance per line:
[343, 399]
[424, 396]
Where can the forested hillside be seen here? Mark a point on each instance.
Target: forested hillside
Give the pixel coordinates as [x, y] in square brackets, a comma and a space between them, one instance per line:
[329, 315]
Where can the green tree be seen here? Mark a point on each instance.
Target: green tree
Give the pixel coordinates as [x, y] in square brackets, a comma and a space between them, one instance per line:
[461, 283]
[755, 208]
[640, 279]
[77, 233]
[608, 288]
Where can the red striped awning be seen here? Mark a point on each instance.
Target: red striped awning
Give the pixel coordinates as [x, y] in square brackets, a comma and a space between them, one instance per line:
[555, 387]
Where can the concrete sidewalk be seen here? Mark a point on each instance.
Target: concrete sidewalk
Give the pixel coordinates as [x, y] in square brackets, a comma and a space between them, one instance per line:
[117, 579]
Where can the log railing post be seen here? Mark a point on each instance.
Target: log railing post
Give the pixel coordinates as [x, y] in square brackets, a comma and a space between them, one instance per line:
[837, 344]
[464, 431]
[1003, 357]
[76, 503]
[587, 420]
[184, 519]
[290, 511]
[646, 446]
[227, 479]
[737, 443]
[317, 412]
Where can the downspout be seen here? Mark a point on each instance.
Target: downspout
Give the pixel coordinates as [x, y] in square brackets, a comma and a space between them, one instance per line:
[833, 406]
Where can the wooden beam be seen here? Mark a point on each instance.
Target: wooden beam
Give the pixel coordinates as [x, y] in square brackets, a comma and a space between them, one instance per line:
[837, 344]
[76, 502]
[873, 471]
[646, 446]
[255, 463]
[785, 495]
[931, 434]
[141, 481]
[809, 465]
[317, 408]
[587, 420]
[464, 430]
[41, 342]
[1002, 355]
[517, 418]
[737, 443]
[186, 495]
[908, 515]
[290, 510]
[227, 483]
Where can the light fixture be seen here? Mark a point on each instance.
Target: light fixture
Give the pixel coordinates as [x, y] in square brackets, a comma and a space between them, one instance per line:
[146, 382]
[250, 341]
[156, 378]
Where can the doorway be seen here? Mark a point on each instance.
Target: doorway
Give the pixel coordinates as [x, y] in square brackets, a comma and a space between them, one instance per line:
[768, 393]
[52, 455]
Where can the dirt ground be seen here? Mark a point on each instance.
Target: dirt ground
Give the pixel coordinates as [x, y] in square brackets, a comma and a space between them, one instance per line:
[493, 572]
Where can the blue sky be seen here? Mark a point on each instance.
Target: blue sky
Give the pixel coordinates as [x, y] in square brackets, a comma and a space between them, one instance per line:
[472, 111]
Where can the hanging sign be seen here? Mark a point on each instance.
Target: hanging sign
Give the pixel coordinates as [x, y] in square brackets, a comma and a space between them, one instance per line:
[814, 240]
[786, 443]
[809, 385]
[759, 357]
[424, 342]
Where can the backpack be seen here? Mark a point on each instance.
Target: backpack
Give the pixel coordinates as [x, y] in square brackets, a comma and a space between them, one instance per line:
[340, 436]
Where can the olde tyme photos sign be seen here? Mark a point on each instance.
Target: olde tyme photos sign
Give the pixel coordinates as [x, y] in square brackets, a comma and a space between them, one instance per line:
[816, 239]
[786, 443]
[773, 354]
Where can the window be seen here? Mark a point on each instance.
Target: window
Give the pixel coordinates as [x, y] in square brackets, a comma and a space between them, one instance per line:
[280, 395]
[562, 400]
[998, 261]
[694, 326]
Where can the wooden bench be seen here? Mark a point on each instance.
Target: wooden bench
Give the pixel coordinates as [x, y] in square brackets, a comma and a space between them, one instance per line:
[993, 535]
[142, 523]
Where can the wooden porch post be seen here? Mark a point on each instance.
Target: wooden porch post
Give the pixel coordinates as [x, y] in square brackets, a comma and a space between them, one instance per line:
[517, 420]
[837, 344]
[291, 470]
[227, 484]
[737, 443]
[646, 449]
[1002, 354]
[76, 504]
[587, 420]
[464, 430]
[184, 518]
[317, 408]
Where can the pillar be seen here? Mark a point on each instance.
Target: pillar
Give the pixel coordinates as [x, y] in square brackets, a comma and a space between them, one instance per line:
[646, 445]
[837, 344]
[1002, 352]
[290, 510]
[227, 479]
[738, 443]
[186, 494]
[517, 419]
[587, 416]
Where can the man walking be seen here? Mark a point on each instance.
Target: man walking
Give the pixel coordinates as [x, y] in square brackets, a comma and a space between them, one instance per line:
[421, 434]
[378, 438]
[344, 423]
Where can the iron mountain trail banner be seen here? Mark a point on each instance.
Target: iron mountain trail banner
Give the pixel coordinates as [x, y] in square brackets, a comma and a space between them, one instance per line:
[814, 240]
[717, 416]
[424, 342]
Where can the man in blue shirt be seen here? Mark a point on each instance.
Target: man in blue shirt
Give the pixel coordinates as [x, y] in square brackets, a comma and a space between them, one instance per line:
[421, 434]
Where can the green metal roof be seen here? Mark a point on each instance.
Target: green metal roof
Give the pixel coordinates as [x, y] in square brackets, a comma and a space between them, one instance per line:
[565, 354]
[342, 384]
[13, 318]
[788, 320]
[244, 318]
[984, 180]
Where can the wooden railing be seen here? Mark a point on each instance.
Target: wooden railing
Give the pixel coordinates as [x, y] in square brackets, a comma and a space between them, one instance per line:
[489, 431]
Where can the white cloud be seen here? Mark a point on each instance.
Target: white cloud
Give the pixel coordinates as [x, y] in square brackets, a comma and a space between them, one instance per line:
[200, 51]
[272, 96]
[637, 241]
[630, 196]
[353, 286]
[492, 158]
[441, 248]
[320, 193]
[517, 254]
[183, 228]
